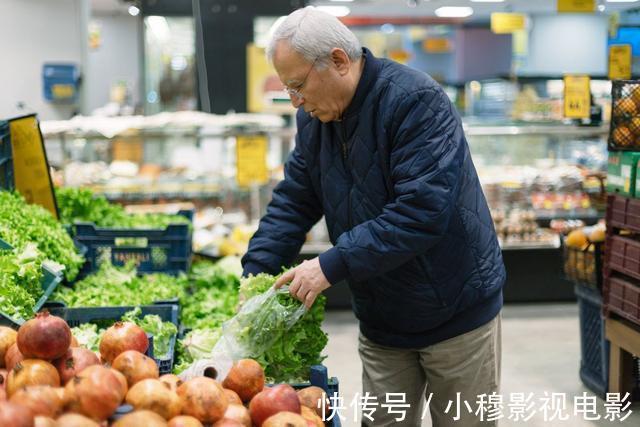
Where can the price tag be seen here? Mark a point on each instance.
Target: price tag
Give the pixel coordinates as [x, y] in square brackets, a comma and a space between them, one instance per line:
[620, 61]
[504, 23]
[251, 160]
[30, 165]
[577, 96]
[576, 6]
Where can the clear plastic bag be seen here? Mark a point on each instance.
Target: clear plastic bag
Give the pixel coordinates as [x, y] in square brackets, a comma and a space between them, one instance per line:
[259, 323]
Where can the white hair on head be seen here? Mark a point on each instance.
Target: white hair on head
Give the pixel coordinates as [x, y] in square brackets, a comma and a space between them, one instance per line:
[313, 34]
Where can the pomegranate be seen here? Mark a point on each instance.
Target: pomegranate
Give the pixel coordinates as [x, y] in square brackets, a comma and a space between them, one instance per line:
[184, 421]
[32, 372]
[155, 396]
[226, 422]
[203, 398]
[3, 379]
[135, 366]
[232, 396]
[41, 399]
[94, 392]
[141, 418]
[14, 415]
[173, 381]
[311, 416]
[7, 339]
[238, 413]
[312, 397]
[41, 421]
[124, 387]
[285, 419]
[246, 378]
[272, 400]
[44, 337]
[76, 420]
[122, 336]
[74, 361]
[12, 357]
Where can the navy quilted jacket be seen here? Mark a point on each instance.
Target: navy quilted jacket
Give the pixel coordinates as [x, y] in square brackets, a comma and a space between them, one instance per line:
[410, 226]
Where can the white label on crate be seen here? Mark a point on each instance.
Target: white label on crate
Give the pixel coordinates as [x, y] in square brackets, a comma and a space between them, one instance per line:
[616, 180]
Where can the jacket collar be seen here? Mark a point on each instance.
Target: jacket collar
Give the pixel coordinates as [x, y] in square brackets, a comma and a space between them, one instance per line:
[367, 79]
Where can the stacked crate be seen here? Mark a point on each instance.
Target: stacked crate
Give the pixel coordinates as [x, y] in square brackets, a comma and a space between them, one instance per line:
[621, 271]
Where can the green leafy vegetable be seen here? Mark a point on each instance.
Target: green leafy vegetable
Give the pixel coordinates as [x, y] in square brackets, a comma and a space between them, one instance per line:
[152, 324]
[20, 276]
[77, 204]
[88, 336]
[22, 223]
[290, 356]
[197, 344]
[113, 286]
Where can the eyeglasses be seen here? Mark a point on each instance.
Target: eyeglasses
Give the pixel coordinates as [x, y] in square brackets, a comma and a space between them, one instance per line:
[295, 92]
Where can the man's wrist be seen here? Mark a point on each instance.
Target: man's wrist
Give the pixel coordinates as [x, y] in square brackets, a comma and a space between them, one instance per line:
[333, 266]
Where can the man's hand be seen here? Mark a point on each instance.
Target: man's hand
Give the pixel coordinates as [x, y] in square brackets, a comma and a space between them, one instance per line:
[307, 281]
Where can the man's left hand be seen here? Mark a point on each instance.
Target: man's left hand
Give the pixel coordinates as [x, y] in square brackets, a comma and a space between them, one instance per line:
[307, 281]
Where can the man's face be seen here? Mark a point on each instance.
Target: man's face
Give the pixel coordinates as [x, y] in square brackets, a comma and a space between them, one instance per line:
[319, 92]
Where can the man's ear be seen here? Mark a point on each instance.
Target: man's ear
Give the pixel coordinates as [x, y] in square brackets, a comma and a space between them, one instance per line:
[340, 60]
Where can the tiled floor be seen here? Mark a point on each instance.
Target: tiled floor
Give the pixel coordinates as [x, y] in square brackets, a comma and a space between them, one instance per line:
[541, 353]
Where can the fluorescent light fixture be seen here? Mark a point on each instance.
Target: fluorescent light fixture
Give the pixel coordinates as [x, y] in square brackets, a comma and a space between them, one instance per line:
[335, 10]
[454, 12]
[133, 10]
[601, 7]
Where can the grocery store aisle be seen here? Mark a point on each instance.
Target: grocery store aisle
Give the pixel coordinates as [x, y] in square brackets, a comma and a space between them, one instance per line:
[541, 353]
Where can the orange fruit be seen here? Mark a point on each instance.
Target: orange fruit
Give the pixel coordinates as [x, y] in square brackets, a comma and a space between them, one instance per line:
[622, 136]
[625, 107]
[635, 94]
[577, 239]
[634, 126]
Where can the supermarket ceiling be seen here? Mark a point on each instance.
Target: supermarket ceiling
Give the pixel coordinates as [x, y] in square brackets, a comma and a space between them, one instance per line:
[481, 8]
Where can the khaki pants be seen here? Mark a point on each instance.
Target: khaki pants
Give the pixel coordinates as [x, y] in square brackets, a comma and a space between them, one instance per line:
[468, 364]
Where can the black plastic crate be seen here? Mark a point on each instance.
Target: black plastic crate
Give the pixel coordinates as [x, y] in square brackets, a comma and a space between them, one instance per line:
[584, 266]
[49, 282]
[624, 133]
[154, 251]
[594, 347]
[6, 158]
[167, 312]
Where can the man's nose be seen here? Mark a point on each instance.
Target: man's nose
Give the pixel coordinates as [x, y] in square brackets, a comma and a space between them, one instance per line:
[295, 101]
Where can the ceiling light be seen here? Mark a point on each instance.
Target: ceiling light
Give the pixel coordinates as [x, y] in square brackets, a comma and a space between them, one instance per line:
[133, 10]
[601, 7]
[454, 12]
[335, 10]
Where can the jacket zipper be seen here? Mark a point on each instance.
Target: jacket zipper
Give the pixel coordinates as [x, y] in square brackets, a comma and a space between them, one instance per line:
[344, 162]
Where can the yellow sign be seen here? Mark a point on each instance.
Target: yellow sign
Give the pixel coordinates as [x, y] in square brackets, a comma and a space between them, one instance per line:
[505, 23]
[577, 96]
[620, 61]
[576, 6]
[251, 160]
[436, 45]
[30, 166]
[63, 91]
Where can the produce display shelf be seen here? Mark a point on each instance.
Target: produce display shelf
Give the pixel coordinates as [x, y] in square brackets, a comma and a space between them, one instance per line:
[594, 348]
[623, 213]
[154, 251]
[80, 315]
[6, 158]
[49, 282]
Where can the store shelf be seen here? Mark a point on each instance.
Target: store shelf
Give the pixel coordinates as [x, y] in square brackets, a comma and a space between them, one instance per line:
[564, 130]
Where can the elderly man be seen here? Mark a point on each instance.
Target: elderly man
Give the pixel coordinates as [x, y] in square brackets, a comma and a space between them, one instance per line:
[380, 152]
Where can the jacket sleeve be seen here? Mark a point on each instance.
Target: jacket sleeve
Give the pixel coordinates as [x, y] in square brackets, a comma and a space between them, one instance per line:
[293, 210]
[427, 151]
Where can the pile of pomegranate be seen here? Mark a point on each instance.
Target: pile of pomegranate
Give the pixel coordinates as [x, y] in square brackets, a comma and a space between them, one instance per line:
[47, 380]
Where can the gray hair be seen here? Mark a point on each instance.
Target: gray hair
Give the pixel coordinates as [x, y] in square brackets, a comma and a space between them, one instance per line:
[313, 34]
